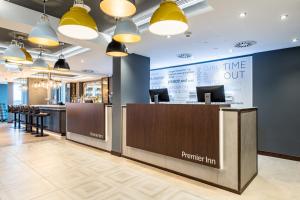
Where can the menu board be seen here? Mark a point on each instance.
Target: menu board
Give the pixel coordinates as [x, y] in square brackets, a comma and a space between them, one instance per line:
[235, 74]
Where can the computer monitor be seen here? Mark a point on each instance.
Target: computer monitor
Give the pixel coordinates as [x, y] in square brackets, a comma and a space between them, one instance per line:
[217, 93]
[163, 94]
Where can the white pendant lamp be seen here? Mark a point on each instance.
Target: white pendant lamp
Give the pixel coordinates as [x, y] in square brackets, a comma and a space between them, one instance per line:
[40, 64]
[168, 19]
[118, 8]
[14, 53]
[127, 31]
[77, 23]
[43, 33]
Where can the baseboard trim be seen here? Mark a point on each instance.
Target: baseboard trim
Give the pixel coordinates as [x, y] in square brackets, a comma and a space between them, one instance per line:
[191, 177]
[277, 155]
[97, 148]
[114, 153]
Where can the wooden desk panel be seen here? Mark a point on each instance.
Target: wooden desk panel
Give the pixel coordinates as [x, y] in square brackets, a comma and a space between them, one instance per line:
[189, 132]
[86, 119]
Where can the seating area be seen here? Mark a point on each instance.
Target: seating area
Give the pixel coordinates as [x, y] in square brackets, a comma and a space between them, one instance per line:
[29, 116]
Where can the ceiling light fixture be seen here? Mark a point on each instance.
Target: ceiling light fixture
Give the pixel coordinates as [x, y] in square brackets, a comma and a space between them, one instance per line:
[116, 49]
[245, 44]
[14, 53]
[284, 17]
[127, 31]
[184, 55]
[295, 40]
[61, 63]
[12, 67]
[168, 19]
[28, 58]
[40, 64]
[77, 23]
[43, 33]
[243, 14]
[118, 8]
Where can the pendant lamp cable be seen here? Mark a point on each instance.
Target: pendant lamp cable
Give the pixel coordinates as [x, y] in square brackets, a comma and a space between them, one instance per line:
[41, 52]
[44, 17]
[61, 50]
[44, 7]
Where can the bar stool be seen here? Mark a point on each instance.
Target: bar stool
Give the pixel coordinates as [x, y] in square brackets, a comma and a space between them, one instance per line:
[24, 110]
[15, 111]
[40, 116]
[33, 112]
[19, 108]
[30, 119]
[9, 108]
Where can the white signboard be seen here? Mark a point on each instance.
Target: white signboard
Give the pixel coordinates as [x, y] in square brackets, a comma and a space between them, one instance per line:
[235, 74]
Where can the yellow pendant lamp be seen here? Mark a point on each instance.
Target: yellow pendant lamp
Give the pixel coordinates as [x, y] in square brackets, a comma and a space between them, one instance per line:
[14, 53]
[28, 60]
[78, 24]
[168, 19]
[118, 8]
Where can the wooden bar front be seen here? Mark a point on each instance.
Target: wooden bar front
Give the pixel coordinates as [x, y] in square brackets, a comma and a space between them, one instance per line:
[86, 119]
[188, 132]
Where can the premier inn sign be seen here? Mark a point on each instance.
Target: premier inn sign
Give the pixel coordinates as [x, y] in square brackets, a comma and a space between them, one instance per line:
[195, 157]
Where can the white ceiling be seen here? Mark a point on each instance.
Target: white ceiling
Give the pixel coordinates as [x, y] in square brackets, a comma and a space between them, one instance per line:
[213, 34]
[216, 32]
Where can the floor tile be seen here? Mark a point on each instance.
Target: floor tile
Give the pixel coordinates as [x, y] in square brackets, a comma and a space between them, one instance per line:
[58, 169]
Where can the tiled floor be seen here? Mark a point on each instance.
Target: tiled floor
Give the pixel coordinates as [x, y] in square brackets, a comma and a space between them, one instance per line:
[58, 169]
[11, 136]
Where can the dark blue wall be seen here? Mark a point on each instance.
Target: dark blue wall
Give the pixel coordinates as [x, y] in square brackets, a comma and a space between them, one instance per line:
[131, 83]
[276, 93]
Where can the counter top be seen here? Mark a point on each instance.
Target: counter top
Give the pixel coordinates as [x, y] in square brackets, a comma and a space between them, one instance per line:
[239, 109]
[51, 107]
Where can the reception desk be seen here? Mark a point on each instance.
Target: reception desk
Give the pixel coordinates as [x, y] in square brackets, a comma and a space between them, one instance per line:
[90, 124]
[208, 143]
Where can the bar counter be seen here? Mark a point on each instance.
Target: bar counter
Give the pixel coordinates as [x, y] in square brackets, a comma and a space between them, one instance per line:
[56, 121]
[90, 124]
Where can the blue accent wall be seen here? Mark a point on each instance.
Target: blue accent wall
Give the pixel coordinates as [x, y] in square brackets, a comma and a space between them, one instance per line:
[3, 93]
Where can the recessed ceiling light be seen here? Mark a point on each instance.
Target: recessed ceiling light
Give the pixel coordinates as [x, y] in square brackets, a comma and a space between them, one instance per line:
[295, 40]
[230, 50]
[184, 55]
[245, 44]
[284, 17]
[243, 14]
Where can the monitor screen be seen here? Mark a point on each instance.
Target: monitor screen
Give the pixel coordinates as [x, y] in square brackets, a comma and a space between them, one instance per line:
[217, 93]
[163, 94]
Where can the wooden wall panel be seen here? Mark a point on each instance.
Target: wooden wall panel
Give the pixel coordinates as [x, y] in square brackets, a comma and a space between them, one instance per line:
[86, 119]
[189, 132]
